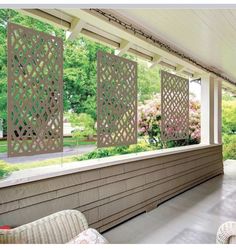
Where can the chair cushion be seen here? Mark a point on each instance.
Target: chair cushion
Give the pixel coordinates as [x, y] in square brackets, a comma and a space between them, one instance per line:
[5, 227]
[89, 236]
[226, 233]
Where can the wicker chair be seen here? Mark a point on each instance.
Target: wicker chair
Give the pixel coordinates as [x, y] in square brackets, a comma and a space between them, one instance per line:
[227, 233]
[59, 228]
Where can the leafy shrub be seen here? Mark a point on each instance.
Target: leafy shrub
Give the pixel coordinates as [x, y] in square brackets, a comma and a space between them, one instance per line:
[4, 169]
[84, 125]
[229, 116]
[119, 150]
[229, 147]
[229, 126]
[140, 147]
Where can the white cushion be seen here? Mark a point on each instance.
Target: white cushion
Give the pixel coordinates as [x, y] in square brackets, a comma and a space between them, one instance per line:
[89, 236]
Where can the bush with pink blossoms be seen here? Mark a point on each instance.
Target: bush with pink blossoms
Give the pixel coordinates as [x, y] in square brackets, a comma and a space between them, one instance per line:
[194, 121]
[149, 121]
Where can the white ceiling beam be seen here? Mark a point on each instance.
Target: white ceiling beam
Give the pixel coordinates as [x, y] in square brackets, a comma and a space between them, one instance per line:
[179, 68]
[156, 59]
[196, 75]
[43, 16]
[112, 30]
[95, 21]
[125, 35]
[76, 27]
[124, 47]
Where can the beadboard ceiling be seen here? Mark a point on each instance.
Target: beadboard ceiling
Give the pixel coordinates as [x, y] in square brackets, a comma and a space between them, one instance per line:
[207, 35]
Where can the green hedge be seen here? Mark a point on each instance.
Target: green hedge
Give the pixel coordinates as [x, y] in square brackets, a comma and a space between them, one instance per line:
[5, 169]
[113, 151]
[229, 149]
[229, 146]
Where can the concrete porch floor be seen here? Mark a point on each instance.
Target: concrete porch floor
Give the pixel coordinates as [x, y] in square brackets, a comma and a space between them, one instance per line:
[190, 218]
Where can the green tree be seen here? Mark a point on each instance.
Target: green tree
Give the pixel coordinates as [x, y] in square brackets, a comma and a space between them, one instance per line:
[15, 17]
[148, 81]
[229, 116]
[84, 124]
[80, 70]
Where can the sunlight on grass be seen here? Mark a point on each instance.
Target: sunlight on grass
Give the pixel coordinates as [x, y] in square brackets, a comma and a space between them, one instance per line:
[67, 142]
[6, 168]
[48, 162]
[3, 146]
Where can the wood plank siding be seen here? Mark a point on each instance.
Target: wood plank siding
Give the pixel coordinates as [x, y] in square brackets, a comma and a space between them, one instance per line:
[110, 195]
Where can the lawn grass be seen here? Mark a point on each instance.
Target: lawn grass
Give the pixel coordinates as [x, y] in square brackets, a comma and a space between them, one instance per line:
[67, 142]
[47, 162]
[6, 168]
[3, 146]
[71, 142]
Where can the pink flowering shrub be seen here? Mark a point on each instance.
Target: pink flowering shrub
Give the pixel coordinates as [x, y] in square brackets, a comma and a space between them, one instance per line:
[149, 117]
[194, 120]
[149, 120]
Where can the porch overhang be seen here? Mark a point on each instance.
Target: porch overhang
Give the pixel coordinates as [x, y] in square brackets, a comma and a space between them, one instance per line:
[111, 192]
[120, 29]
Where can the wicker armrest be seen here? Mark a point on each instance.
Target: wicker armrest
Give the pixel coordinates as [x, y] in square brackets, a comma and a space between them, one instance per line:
[58, 228]
[225, 233]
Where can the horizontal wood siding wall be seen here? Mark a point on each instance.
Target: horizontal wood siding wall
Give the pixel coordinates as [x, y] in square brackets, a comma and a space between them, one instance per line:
[110, 195]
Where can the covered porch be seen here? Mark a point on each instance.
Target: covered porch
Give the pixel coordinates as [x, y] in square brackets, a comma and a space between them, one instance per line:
[172, 195]
[192, 217]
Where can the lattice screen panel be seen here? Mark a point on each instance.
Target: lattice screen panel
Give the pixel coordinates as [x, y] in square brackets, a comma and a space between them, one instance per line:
[174, 107]
[116, 100]
[35, 85]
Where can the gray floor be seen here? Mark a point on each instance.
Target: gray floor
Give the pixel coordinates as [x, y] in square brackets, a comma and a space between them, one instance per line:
[190, 218]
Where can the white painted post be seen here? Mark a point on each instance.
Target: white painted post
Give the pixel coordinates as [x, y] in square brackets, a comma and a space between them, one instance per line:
[207, 109]
[218, 111]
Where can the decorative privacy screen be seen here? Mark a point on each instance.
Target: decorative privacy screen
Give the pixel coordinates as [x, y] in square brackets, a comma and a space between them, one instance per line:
[35, 84]
[174, 107]
[116, 100]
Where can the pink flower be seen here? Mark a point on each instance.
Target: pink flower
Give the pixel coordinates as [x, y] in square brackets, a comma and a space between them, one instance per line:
[143, 129]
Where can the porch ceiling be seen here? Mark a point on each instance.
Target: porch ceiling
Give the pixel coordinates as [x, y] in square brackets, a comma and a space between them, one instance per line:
[205, 35]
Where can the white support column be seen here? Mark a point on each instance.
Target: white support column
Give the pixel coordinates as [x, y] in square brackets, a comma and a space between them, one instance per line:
[218, 111]
[207, 109]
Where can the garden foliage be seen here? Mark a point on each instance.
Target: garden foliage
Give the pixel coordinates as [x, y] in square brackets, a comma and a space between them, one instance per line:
[84, 125]
[149, 122]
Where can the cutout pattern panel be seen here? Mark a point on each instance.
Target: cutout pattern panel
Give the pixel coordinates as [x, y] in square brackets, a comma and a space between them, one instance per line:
[35, 86]
[174, 107]
[116, 100]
